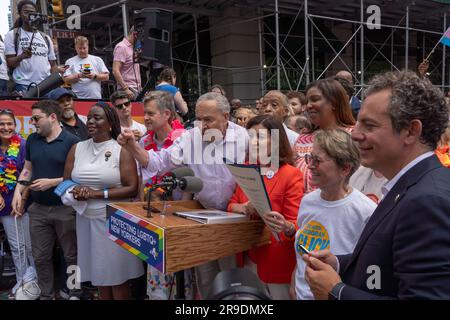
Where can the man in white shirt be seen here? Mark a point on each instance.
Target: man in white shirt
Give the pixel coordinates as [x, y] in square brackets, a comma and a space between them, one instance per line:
[276, 104]
[3, 70]
[29, 51]
[123, 106]
[202, 149]
[402, 252]
[85, 72]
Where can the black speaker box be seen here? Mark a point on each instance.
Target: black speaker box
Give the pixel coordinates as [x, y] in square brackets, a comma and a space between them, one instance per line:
[154, 28]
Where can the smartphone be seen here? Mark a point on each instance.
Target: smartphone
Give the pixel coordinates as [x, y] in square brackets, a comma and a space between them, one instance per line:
[304, 250]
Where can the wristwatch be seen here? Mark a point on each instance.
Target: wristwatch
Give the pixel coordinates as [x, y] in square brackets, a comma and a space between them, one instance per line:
[335, 293]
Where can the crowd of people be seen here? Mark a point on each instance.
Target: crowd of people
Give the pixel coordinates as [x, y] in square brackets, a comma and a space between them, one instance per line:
[359, 209]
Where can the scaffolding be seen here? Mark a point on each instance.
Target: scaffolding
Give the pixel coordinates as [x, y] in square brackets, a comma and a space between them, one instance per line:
[293, 69]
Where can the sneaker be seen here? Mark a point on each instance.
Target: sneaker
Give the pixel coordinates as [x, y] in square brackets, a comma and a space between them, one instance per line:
[74, 298]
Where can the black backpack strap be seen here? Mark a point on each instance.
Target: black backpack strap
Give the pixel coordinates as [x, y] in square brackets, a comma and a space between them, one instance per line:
[16, 39]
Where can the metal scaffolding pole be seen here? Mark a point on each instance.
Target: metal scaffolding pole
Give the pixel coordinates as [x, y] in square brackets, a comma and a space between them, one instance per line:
[198, 56]
[307, 44]
[125, 19]
[444, 54]
[261, 62]
[392, 50]
[277, 44]
[362, 47]
[407, 38]
[313, 69]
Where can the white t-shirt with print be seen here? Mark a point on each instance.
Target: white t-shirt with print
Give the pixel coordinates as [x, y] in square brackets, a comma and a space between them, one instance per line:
[333, 225]
[3, 66]
[36, 68]
[86, 88]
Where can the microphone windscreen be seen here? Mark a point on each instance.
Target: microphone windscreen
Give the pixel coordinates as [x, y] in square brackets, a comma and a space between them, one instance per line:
[182, 172]
[191, 184]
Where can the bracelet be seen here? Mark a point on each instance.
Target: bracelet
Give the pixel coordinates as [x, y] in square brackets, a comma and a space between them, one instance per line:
[105, 193]
[291, 230]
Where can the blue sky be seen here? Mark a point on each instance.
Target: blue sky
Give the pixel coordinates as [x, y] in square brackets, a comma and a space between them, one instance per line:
[4, 4]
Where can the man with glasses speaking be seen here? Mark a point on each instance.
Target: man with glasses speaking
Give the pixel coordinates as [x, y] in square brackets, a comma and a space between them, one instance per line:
[122, 104]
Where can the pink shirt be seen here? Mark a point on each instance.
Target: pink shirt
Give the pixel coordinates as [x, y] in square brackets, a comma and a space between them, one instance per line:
[131, 74]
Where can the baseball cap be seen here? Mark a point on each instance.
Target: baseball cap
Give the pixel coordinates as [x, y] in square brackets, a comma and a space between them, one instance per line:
[58, 93]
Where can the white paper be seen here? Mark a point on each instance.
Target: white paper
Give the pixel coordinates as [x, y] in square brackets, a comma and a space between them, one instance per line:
[252, 183]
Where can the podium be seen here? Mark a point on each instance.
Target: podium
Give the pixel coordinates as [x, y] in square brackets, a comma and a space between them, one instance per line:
[171, 243]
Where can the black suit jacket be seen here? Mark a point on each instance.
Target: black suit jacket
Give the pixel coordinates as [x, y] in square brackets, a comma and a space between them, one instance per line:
[407, 238]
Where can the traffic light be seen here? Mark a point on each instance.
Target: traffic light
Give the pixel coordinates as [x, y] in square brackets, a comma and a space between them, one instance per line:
[57, 8]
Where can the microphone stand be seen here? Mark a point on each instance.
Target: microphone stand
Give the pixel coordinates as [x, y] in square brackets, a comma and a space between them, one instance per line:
[148, 207]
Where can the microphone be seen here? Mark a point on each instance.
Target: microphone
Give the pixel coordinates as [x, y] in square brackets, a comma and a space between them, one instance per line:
[188, 184]
[191, 184]
[182, 172]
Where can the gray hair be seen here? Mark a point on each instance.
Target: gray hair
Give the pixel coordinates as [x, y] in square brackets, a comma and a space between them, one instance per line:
[221, 101]
[339, 146]
[164, 100]
[413, 98]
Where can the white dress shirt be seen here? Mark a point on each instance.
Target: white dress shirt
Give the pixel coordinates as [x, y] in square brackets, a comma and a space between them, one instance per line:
[206, 160]
[390, 184]
[292, 135]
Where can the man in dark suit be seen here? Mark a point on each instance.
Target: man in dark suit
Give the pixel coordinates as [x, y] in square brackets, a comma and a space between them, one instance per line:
[404, 250]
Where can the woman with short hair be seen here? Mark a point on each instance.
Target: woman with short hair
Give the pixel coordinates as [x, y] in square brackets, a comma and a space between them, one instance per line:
[334, 215]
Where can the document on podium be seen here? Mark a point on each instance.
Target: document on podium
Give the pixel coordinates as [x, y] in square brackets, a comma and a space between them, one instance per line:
[249, 178]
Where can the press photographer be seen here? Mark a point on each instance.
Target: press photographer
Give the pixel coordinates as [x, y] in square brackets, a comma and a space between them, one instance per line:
[29, 52]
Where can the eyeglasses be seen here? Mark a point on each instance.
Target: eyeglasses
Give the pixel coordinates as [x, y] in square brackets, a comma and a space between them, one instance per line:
[36, 118]
[122, 105]
[313, 160]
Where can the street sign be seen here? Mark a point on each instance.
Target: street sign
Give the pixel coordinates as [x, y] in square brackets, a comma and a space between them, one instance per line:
[64, 34]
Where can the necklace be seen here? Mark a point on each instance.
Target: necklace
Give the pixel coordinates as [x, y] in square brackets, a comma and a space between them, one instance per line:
[8, 166]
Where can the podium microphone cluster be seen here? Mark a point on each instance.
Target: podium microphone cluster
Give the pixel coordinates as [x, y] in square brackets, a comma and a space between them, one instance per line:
[182, 178]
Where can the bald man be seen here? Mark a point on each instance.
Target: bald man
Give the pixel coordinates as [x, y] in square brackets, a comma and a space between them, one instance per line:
[276, 104]
[354, 101]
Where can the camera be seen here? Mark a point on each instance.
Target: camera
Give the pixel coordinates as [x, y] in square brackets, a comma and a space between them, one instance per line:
[37, 19]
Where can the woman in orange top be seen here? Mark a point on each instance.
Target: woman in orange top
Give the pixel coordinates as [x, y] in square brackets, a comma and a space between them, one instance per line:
[275, 261]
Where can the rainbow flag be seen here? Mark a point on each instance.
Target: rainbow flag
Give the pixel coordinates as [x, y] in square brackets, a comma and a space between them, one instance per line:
[446, 38]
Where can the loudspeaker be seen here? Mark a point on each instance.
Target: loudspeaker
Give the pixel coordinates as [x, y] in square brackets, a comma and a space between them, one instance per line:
[154, 32]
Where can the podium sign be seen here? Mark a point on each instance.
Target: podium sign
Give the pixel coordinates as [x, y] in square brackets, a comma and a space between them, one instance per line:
[137, 236]
[171, 243]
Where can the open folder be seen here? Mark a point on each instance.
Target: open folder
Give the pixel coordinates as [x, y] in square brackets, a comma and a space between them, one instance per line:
[212, 216]
[251, 181]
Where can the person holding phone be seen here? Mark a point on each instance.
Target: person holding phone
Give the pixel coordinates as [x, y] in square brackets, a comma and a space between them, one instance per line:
[334, 215]
[29, 52]
[85, 71]
[12, 159]
[273, 262]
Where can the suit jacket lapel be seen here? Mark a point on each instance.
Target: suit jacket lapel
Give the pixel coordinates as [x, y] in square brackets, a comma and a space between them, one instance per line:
[393, 197]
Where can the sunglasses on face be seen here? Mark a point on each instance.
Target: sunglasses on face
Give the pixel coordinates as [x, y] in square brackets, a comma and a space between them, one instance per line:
[36, 118]
[123, 105]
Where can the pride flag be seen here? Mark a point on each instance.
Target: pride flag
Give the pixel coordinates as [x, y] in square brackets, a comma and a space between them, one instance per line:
[446, 38]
